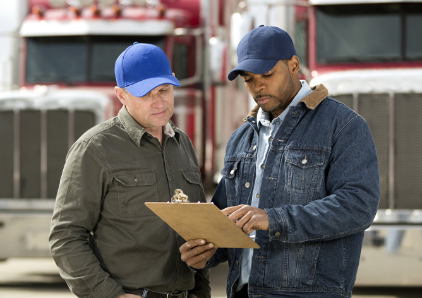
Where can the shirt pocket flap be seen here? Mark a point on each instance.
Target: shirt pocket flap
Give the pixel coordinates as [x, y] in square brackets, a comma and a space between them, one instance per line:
[134, 178]
[192, 176]
[305, 158]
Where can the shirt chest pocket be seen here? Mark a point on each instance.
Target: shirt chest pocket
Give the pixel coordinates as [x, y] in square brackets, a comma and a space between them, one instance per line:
[193, 184]
[134, 188]
[304, 171]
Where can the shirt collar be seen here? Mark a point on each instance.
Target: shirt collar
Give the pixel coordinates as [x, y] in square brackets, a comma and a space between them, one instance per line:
[136, 131]
[168, 130]
[263, 118]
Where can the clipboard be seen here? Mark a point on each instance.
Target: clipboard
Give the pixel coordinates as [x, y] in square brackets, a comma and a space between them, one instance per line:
[202, 221]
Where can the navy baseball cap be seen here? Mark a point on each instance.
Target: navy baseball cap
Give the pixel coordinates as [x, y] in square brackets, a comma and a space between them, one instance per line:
[260, 50]
[143, 67]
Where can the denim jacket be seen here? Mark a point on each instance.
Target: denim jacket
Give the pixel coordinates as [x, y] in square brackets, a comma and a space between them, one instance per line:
[320, 190]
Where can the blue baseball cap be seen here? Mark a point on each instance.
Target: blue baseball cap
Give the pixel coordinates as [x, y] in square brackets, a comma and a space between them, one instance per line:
[260, 50]
[143, 67]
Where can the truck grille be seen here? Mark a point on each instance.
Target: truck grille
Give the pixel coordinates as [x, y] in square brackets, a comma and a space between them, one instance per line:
[33, 148]
[396, 127]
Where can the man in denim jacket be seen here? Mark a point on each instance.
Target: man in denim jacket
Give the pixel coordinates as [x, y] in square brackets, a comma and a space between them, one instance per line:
[301, 176]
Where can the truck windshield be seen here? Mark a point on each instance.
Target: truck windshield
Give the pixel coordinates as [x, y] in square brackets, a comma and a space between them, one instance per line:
[77, 59]
[369, 33]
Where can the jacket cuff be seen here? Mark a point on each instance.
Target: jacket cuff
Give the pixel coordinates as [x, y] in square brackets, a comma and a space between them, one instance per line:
[277, 224]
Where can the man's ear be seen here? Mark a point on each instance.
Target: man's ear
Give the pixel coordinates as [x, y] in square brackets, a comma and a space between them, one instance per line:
[294, 64]
[121, 95]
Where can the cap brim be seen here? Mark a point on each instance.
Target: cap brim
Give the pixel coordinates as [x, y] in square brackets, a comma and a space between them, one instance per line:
[257, 66]
[143, 87]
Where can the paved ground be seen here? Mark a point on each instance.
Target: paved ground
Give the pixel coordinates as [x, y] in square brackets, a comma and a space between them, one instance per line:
[38, 278]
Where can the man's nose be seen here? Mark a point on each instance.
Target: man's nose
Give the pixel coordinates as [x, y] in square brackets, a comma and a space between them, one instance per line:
[258, 85]
[158, 101]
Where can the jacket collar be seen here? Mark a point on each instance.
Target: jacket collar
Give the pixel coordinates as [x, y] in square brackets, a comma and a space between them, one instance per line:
[319, 93]
[136, 131]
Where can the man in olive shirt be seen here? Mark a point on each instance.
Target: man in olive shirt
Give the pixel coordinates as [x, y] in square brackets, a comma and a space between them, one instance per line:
[105, 241]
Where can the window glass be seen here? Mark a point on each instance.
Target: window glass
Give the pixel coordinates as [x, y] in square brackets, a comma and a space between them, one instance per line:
[56, 59]
[106, 49]
[358, 33]
[77, 59]
[180, 61]
[413, 35]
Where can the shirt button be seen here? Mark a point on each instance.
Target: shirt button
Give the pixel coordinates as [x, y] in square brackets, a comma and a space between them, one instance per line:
[262, 166]
[277, 234]
[247, 184]
[254, 148]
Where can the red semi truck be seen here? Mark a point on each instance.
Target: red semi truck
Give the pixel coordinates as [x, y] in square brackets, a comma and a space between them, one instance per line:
[367, 53]
[67, 54]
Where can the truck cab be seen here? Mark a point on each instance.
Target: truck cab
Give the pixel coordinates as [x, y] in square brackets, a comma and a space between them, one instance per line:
[66, 85]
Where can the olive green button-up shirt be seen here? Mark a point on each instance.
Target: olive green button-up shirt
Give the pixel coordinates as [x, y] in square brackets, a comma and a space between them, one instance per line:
[103, 238]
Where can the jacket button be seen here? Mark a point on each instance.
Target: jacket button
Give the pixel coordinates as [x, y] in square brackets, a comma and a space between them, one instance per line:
[270, 139]
[136, 180]
[262, 166]
[247, 184]
[231, 172]
[277, 234]
[236, 263]
[304, 161]
[254, 147]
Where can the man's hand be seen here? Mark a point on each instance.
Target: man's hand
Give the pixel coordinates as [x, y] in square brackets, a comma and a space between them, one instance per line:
[196, 253]
[247, 218]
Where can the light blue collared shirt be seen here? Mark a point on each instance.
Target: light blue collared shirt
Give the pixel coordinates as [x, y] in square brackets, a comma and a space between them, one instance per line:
[266, 132]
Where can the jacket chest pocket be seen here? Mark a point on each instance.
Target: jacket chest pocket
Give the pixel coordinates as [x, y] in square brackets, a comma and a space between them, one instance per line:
[304, 170]
[134, 188]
